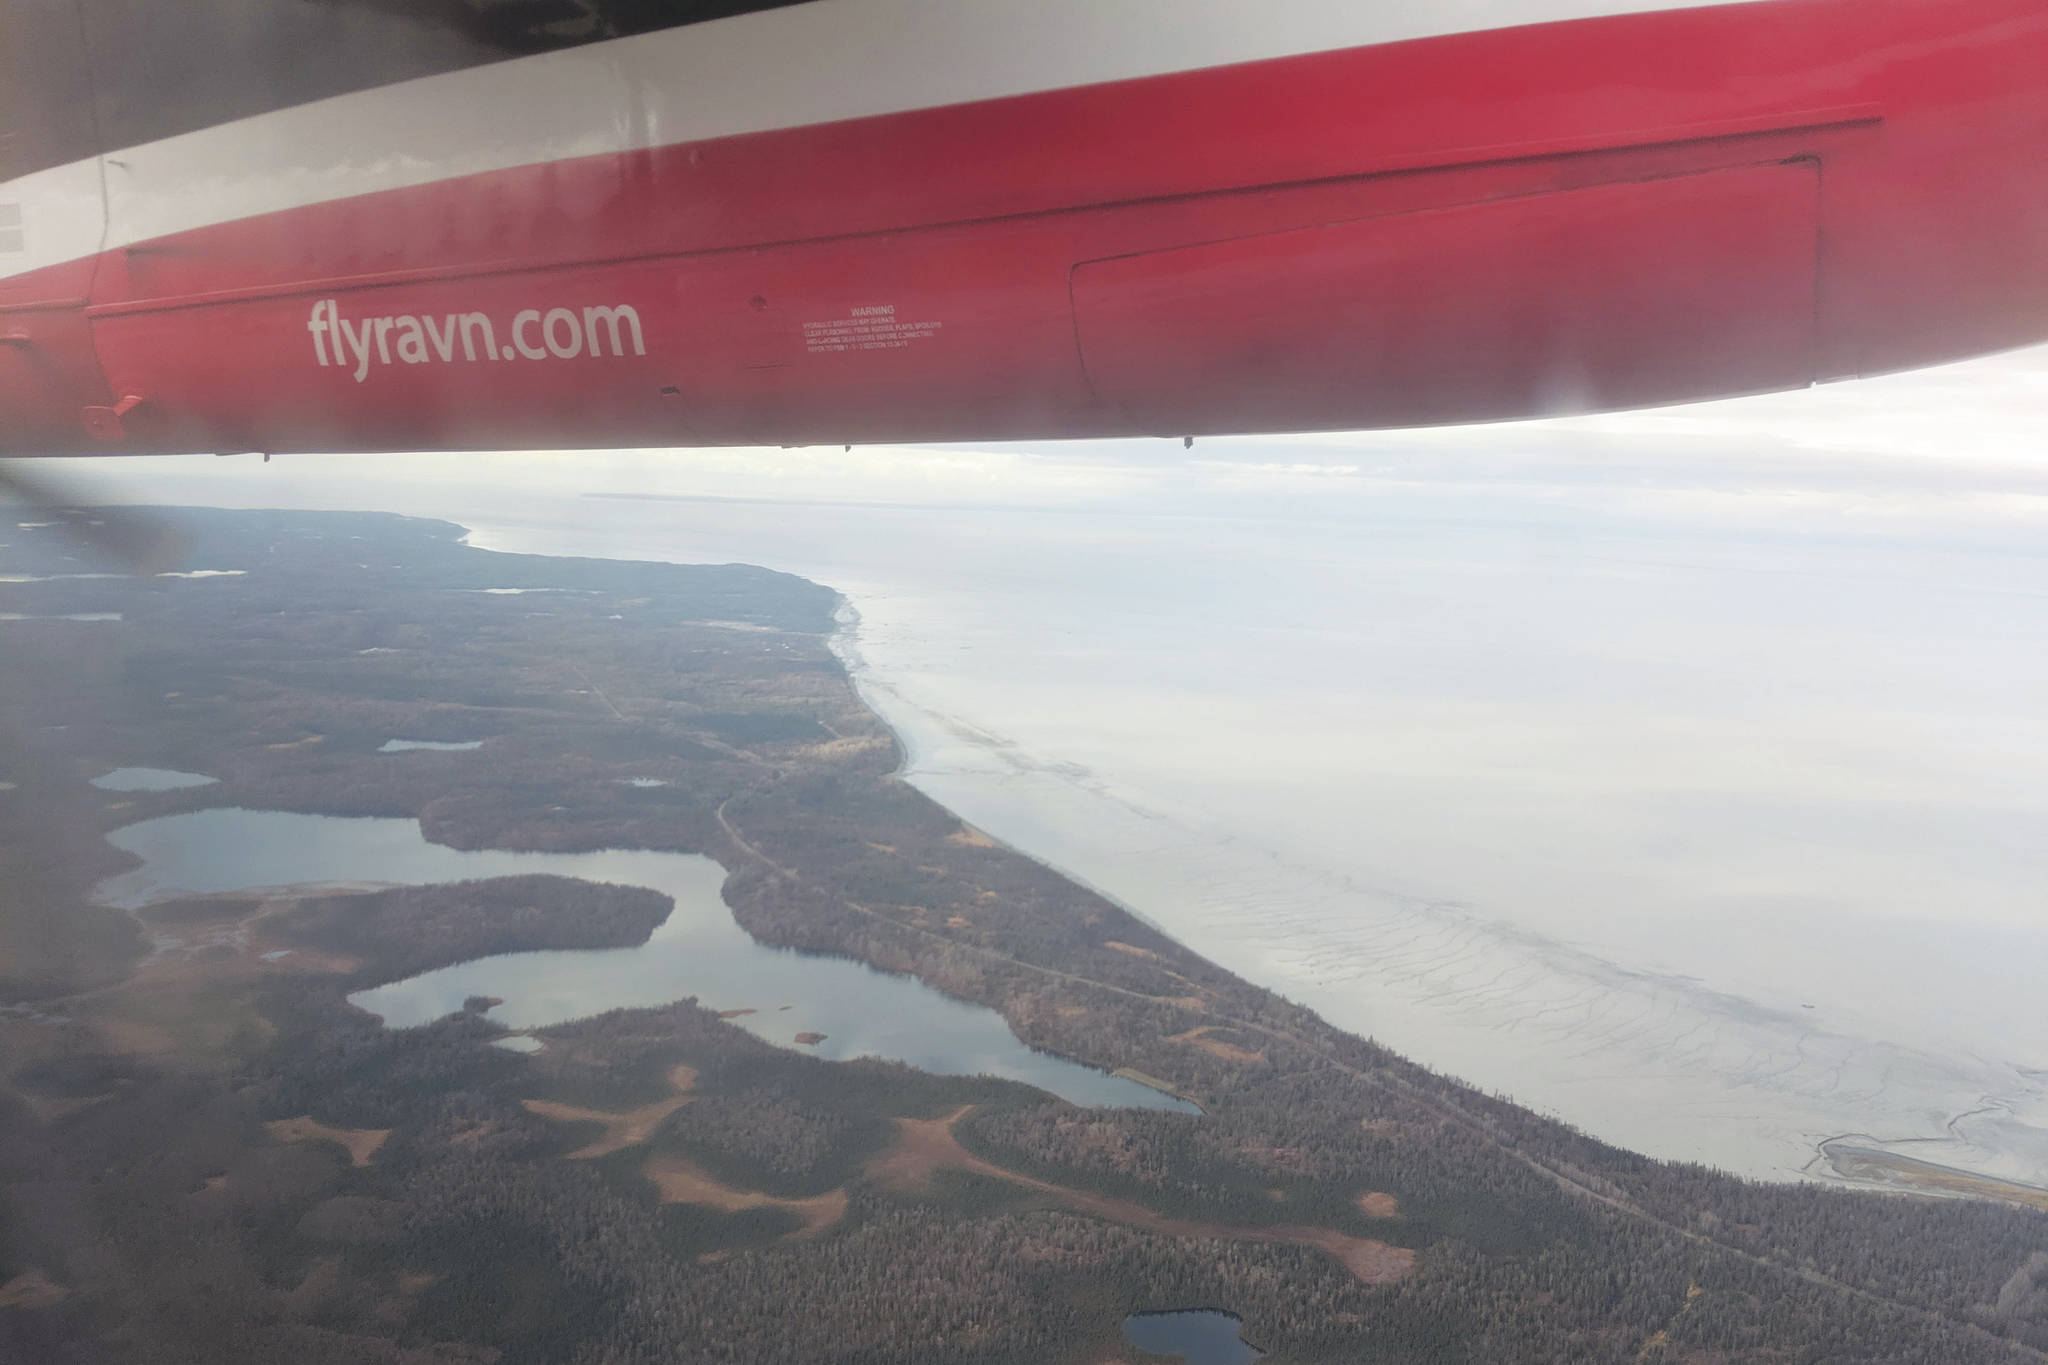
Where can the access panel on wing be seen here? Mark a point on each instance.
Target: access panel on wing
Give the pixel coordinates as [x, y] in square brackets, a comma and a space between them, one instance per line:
[1612, 297]
[49, 212]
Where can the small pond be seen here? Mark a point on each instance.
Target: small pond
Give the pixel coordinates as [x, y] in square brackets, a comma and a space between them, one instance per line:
[699, 950]
[1199, 1336]
[401, 746]
[150, 780]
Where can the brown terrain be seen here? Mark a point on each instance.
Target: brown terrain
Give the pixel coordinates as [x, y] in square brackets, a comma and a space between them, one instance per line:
[621, 1130]
[32, 1289]
[360, 1143]
[682, 1181]
[1216, 1047]
[1858, 1163]
[923, 1146]
[1377, 1204]
[927, 1145]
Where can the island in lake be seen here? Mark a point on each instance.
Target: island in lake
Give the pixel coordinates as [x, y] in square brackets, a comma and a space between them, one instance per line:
[418, 955]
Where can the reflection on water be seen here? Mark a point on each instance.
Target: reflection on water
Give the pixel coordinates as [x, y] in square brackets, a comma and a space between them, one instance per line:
[400, 746]
[698, 951]
[150, 780]
[1199, 1336]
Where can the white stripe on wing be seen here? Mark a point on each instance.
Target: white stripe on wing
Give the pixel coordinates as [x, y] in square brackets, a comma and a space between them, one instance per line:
[816, 63]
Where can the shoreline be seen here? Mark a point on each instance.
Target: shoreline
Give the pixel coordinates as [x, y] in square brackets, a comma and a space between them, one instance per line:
[1434, 1196]
[863, 678]
[1655, 1063]
[1795, 1156]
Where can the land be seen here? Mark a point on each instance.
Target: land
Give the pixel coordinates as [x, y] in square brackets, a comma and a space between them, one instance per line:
[207, 1154]
[1903, 1172]
[415, 929]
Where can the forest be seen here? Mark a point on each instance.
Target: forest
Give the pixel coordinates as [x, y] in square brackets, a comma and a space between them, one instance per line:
[414, 929]
[207, 1154]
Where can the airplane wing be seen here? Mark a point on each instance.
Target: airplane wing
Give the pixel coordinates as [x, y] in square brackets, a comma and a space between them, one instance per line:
[272, 225]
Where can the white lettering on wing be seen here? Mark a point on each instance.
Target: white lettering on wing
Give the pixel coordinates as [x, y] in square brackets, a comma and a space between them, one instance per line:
[870, 327]
[359, 345]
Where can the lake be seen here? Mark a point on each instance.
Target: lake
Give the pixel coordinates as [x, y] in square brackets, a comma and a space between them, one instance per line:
[1199, 1336]
[698, 951]
[150, 780]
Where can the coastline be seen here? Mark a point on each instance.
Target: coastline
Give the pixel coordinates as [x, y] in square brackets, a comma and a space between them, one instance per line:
[1534, 1054]
[1340, 1129]
[914, 729]
[1652, 1061]
[1724, 577]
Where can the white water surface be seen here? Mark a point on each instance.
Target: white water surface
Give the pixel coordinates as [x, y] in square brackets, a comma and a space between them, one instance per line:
[150, 780]
[1683, 775]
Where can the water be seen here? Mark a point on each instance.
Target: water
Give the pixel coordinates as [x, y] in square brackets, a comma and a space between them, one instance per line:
[1199, 1336]
[400, 746]
[150, 780]
[698, 951]
[1579, 817]
[76, 577]
[1679, 774]
[66, 616]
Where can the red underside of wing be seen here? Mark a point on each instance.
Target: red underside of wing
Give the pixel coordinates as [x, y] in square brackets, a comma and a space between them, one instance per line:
[1607, 213]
